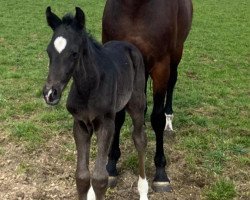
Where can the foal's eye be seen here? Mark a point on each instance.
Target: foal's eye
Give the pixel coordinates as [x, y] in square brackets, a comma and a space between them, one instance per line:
[74, 55]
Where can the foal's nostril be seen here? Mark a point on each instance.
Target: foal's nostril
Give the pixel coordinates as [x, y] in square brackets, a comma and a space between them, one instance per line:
[54, 93]
[51, 95]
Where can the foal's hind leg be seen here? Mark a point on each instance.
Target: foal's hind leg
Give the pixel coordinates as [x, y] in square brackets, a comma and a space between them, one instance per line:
[136, 108]
[115, 152]
[175, 60]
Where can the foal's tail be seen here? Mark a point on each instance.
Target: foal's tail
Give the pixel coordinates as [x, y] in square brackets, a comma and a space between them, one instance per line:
[138, 65]
[140, 82]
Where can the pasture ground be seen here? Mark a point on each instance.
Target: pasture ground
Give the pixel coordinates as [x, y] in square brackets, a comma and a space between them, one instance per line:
[207, 159]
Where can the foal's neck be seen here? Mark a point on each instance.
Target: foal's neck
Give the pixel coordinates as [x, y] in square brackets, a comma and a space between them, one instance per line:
[87, 74]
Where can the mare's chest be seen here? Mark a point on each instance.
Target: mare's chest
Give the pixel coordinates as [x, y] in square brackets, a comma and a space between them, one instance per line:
[151, 30]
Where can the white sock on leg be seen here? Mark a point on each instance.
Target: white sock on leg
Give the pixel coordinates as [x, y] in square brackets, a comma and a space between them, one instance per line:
[143, 188]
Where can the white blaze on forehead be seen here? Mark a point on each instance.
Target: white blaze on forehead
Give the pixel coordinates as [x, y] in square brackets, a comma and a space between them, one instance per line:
[60, 44]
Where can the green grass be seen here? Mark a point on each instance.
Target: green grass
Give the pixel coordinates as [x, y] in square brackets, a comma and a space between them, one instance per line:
[131, 161]
[27, 132]
[211, 103]
[221, 190]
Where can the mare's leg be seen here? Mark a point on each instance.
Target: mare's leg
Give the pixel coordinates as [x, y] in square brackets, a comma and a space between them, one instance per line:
[160, 76]
[100, 174]
[136, 108]
[115, 152]
[82, 139]
[145, 91]
[175, 60]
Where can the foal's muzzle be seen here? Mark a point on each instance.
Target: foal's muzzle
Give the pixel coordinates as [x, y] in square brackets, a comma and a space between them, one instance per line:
[52, 94]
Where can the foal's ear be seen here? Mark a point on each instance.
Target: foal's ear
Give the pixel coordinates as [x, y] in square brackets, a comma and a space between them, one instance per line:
[52, 19]
[80, 18]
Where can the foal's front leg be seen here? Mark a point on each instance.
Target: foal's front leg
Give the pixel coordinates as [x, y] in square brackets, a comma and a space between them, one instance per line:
[82, 139]
[100, 174]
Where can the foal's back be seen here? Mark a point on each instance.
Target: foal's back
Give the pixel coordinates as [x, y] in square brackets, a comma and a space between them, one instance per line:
[125, 65]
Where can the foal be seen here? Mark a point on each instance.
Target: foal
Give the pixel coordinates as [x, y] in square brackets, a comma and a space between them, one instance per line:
[106, 79]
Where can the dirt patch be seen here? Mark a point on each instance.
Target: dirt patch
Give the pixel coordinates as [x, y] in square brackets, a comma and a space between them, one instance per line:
[45, 174]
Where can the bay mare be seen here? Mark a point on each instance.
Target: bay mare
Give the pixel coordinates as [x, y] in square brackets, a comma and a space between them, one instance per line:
[159, 29]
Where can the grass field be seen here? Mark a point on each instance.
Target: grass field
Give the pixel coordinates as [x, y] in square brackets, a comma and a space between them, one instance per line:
[208, 158]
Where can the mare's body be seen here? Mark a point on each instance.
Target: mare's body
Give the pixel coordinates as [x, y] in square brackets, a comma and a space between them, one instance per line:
[159, 29]
[106, 79]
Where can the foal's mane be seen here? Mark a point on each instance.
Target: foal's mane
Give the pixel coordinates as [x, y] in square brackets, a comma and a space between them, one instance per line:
[69, 20]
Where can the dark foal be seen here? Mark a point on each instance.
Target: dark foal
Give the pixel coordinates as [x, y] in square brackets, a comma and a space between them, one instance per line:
[106, 79]
[159, 29]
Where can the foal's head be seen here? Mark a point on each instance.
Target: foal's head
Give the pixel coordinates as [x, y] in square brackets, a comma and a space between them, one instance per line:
[66, 45]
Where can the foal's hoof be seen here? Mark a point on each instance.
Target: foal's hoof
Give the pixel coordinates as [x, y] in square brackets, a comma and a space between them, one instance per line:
[112, 181]
[161, 187]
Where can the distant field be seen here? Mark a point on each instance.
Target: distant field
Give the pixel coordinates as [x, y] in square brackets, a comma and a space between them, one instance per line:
[209, 157]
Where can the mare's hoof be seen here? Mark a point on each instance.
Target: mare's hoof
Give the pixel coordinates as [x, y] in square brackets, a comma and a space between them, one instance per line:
[161, 187]
[112, 181]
